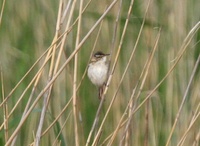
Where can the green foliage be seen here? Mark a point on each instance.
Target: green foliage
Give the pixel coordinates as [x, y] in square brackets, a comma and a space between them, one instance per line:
[27, 30]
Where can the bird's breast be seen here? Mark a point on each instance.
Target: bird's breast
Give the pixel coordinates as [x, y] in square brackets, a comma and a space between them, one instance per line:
[98, 73]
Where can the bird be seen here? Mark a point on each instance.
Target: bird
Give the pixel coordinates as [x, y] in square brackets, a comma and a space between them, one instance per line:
[98, 71]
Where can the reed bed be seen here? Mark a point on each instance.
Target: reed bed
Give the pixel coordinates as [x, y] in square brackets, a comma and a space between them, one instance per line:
[152, 95]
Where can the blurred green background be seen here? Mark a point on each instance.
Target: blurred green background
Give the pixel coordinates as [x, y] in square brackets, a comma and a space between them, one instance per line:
[27, 30]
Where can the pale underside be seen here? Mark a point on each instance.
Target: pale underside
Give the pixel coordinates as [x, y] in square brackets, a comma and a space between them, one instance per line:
[97, 72]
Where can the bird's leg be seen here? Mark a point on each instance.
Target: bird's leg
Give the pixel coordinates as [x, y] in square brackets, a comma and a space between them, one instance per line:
[100, 92]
